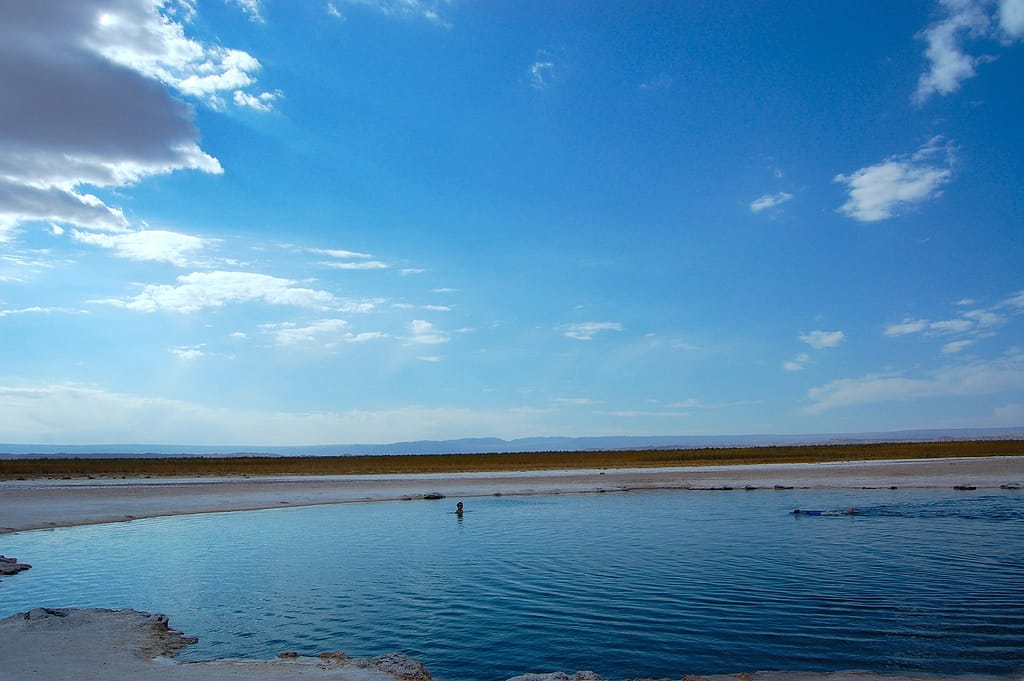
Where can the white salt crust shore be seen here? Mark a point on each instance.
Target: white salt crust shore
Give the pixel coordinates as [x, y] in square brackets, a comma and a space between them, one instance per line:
[104, 645]
[42, 504]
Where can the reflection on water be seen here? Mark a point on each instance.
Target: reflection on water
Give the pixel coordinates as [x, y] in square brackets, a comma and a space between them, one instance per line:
[629, 585]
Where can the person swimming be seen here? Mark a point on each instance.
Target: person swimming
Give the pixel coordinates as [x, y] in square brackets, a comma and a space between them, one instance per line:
[458, 509]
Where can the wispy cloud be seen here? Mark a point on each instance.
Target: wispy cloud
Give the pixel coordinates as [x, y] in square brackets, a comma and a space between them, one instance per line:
[348, 260]
[200, 290]
[426, 333]
[587, 330]
[977, 322]
[767, 201]
[541, 71]
[797, 363]
[149, 245]
[40, 310]
[188, 352]
[430, 10]
[819, 340]
[878, 191]
[975, 378]
[252, 8]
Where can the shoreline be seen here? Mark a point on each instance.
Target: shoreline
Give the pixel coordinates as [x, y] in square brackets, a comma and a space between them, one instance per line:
[108, 645]
[37, 504]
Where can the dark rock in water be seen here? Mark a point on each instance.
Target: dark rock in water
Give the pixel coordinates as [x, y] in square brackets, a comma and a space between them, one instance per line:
[783, 487]
[11, 566]
[433, 495]
[964, 488]
[560, 676]
[398, 665]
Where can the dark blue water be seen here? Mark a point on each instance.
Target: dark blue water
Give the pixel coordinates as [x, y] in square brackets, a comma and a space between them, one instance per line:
[632, 584]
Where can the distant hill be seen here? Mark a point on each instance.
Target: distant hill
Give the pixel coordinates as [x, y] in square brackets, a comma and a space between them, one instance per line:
[497, 445]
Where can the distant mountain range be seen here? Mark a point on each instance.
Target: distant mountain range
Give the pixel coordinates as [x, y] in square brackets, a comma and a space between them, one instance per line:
[497, 445]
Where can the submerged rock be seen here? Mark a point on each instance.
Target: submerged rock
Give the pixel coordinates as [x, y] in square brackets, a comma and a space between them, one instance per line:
[11, 566]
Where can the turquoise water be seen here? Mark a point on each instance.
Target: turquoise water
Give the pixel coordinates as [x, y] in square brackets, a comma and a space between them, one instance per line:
[637, 584]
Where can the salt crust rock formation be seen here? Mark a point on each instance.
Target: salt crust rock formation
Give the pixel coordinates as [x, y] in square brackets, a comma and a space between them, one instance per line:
[113, 645]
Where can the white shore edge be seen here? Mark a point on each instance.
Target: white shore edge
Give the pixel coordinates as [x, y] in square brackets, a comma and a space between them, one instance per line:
[103, 645]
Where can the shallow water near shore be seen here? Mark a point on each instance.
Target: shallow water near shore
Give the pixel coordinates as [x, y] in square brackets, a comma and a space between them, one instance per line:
[626, 584]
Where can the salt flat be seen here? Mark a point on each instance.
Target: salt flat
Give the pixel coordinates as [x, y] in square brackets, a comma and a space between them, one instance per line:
[40, 504]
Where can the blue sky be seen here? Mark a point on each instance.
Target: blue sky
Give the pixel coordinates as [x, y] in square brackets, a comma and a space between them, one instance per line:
[310, 222]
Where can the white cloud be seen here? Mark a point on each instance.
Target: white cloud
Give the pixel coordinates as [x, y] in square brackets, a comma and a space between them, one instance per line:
[252, 8]
[429, 10]
[426, 333]
[949, 62]
[348, 260]
[876, 192]
[145, 38]
[40, 310]
[340, 253]
[361, 265]
[188, 353]
[540, 74]
[261, 102]
[333, 11]
[820, 340]
[977, 322]
[149, 245]
[769, 201]
[289, 333]
[954, 347]
[907, 326]
[68, 413]
[1011, 18]
[797, 363]
[965, 380]
[948, 65]
[200, 290]
[587, 330]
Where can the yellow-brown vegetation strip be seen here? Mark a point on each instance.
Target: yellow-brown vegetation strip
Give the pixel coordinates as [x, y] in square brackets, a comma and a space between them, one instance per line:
[61, 467]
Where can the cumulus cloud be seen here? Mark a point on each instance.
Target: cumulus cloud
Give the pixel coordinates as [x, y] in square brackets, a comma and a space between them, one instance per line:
[965, 21]
[769, 201]
[200, 290]
[878, 191]
[976, 378]
[90, 101]
[819, 340]
[587, 330]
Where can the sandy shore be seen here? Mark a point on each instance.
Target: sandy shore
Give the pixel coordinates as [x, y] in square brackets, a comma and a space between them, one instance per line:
[40, 504]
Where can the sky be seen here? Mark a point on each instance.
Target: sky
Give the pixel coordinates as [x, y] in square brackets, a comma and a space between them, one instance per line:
[299, 222]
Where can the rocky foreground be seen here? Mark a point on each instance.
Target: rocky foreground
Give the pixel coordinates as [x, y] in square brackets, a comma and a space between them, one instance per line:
[115, 645]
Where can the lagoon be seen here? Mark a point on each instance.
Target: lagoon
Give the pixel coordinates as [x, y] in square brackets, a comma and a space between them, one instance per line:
[628, 584]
